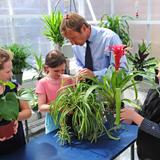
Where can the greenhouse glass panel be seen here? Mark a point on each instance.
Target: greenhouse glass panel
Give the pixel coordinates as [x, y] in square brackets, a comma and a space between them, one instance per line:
[29, 7]
[5, 31]
[4, 8]
[138, 33]
[131, 8]
[155, 10]
[155, 42]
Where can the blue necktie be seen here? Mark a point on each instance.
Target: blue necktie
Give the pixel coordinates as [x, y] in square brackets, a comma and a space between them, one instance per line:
[88, 57]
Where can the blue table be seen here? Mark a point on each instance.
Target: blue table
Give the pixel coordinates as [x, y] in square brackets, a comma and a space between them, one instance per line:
[46, 147]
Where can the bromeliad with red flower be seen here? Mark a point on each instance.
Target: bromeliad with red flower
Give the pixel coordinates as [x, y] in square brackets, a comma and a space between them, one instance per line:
[117, 82]
[118, 51]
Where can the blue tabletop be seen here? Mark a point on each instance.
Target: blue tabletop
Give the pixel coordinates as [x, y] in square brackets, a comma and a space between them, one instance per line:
[47, 147]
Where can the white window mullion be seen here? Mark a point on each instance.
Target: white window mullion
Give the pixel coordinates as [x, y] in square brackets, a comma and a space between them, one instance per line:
[81, 7]
[91, 10]
[112, 8]
[13, 39]
[148, 21]
[49, 6]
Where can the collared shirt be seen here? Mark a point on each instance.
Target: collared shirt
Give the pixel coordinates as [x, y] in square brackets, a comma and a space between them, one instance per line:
[100, 39]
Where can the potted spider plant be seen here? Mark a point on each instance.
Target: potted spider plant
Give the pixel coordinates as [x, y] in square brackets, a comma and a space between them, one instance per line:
[86, 110]
[52, 24]
[140, 61]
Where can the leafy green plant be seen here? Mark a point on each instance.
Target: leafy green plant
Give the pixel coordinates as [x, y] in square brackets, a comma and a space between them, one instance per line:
[88, 105]
[52, 24]
[29, 95]
[140, 61]
[119, 25]
[20, 55]
[111, 88]
[9, 104]
[39, 66]
[86, 110]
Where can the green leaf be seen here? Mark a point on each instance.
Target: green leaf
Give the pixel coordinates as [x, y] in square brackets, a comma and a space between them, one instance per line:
[9, 106]
[131, 103]
[89, 91]
[118, 105]
[9, 84]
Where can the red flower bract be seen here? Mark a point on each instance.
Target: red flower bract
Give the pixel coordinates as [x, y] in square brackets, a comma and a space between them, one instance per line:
[118, 51]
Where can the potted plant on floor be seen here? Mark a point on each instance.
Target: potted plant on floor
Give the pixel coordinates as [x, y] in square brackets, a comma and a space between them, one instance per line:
[140, 61]
[20, 55]
[39, 67]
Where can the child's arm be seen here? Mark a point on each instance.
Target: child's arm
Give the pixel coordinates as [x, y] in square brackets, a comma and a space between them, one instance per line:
[25, 111]
[42, 106]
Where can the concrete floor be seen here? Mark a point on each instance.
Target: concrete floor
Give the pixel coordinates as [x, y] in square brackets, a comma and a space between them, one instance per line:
[126, 155]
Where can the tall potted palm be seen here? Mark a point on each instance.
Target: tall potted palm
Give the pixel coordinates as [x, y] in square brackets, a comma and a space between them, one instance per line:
[52, 24]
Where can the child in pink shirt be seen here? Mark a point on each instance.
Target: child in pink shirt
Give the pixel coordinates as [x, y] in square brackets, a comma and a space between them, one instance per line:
[48, 86]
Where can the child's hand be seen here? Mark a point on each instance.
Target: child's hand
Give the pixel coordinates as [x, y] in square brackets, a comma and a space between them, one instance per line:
[128, 115]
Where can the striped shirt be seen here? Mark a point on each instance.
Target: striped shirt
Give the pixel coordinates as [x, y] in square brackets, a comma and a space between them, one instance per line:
[150, 127]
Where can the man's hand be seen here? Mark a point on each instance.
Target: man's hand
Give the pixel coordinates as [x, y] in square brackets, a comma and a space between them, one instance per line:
[85, 73]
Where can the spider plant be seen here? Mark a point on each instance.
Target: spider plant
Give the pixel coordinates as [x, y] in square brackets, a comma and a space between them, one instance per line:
[86, 110]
